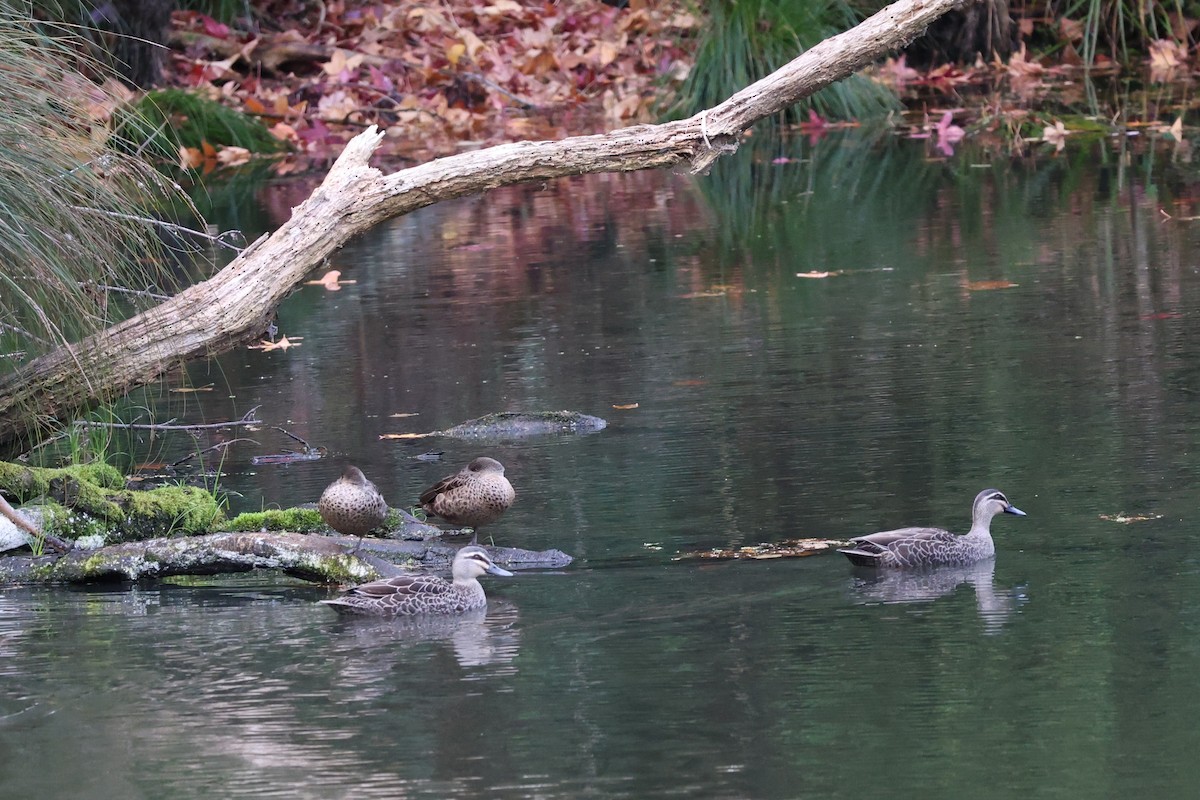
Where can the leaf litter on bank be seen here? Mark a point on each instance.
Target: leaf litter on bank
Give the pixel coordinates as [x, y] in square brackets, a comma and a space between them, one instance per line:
[437, 77]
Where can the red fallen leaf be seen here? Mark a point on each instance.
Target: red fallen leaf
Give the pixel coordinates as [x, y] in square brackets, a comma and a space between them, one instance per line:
[1162, 315]
[317, 132]
[690, 382]
[815, 122]
[381, 81]
[949, 134]
[213, 28]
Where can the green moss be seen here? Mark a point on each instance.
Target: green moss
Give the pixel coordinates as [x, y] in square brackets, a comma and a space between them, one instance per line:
[91, 500]
[341, 568]
[94, 565]
[24, 482]
[103, 475]
[298, 520]
[170, 511]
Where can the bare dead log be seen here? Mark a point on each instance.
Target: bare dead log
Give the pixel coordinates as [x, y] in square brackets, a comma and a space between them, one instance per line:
[236, 304]
[322, 559]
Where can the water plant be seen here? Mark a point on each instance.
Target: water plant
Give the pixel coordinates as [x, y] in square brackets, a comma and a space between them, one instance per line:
[745, 40]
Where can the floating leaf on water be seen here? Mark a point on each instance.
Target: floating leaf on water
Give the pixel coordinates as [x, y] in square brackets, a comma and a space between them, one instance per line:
[403, 414]
[791, 548]
[985, 286]
[624, 406]
[282, 344]
[690, 382]
[331, 281]
[1125, 519]
[817, 274]
[694, 295]
[193, 389]
[404, 435]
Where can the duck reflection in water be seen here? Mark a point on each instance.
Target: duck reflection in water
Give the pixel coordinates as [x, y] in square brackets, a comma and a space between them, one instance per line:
[886, 587]
[371, 648]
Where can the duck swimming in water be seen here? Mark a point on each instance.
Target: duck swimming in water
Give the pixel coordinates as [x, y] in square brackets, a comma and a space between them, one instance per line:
[920, 547]
[424, 594]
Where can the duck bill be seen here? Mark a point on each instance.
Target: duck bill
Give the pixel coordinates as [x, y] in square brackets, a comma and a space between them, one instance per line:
[1014, 510]
[494, 570]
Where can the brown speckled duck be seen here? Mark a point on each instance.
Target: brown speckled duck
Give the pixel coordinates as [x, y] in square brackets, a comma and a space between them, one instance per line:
[476, 496]
[424, 594]
[352, 505]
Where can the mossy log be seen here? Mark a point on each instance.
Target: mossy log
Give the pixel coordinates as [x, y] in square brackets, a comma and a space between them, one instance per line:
[96, 502]
[322, 559]
[515, 425]
[235, 305]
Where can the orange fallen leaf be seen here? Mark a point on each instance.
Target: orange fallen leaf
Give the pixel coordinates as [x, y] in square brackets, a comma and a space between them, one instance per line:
[984, 286]
[282, 344]
[624, 406]
[331, 280]
[190, 158]
[690, 382]
[233, 156]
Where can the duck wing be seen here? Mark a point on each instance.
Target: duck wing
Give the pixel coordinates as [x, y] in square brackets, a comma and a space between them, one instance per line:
[444, 485]
[401, 586]
[901, 547]
[886, 540]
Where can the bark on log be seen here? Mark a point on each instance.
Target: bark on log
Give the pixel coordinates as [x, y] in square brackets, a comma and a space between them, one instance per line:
[322, 559]
[236, 304]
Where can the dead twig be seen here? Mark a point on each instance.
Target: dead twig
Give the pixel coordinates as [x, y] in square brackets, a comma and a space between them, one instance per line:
[248, 419]
[217, 446]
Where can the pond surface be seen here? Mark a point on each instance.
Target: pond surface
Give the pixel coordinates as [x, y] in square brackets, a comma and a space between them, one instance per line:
[769, 407]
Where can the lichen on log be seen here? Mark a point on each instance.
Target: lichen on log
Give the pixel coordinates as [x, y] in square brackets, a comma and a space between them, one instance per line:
[514, 425]
[322, 559]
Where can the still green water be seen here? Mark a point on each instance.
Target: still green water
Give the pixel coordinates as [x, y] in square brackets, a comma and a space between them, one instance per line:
[770, 406]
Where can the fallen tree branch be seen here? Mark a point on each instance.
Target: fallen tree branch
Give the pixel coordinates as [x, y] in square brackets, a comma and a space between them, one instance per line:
[249, 418]
[237, 303]
[23, 524]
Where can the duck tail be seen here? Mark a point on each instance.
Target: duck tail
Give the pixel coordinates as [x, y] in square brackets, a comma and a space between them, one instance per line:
[861, 558]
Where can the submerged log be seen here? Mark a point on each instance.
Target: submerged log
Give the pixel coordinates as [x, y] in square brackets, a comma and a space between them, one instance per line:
[322, 559]
[514, 425]
[236, 305]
